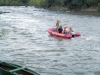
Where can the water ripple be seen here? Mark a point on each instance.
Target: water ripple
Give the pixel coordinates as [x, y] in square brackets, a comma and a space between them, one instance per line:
[25, 41]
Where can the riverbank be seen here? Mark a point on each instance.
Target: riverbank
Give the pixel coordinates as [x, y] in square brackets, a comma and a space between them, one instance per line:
[58, 8]
[90, 9]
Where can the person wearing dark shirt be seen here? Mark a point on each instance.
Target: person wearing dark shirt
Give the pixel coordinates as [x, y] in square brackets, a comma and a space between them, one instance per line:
[60, 29]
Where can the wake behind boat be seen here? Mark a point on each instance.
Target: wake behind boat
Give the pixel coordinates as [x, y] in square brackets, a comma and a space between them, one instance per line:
[52, 32]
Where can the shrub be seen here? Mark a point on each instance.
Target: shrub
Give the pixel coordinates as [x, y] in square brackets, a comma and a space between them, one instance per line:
[98, 7]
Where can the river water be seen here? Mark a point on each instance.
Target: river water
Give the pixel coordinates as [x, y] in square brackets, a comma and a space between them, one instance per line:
[24, 40]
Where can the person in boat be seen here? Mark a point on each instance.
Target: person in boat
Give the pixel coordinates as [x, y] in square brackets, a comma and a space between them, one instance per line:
[57, 25]
[66, 30]
[71, 31]
[60, 29]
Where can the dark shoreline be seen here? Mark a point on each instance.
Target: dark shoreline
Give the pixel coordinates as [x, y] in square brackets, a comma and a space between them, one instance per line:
[91, 9]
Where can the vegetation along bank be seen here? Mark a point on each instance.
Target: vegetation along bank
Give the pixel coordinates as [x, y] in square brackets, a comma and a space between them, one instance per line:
[76, 5]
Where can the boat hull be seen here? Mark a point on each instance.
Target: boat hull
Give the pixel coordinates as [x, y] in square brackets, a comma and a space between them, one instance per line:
[52, 32]
[13, 69]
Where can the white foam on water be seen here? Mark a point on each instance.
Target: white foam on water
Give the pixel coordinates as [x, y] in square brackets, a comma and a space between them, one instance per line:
[91, 38]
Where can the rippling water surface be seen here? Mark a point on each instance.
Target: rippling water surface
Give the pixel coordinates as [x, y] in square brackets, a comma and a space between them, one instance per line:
[24, 40]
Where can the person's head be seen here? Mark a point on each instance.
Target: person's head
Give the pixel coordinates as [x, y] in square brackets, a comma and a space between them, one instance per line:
[70, 28]
[58, 20]
[66, 26]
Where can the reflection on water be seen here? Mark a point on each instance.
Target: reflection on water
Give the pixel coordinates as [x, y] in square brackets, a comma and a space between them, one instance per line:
[24, 40]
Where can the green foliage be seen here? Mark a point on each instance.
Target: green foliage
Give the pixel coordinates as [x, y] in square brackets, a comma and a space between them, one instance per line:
[38, 3]
[2, 2]
[70, 4]
[99, 5]
[90, 2]
[10, 2]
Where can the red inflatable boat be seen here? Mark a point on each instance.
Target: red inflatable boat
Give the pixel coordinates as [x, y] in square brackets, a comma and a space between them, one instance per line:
[52, 31]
